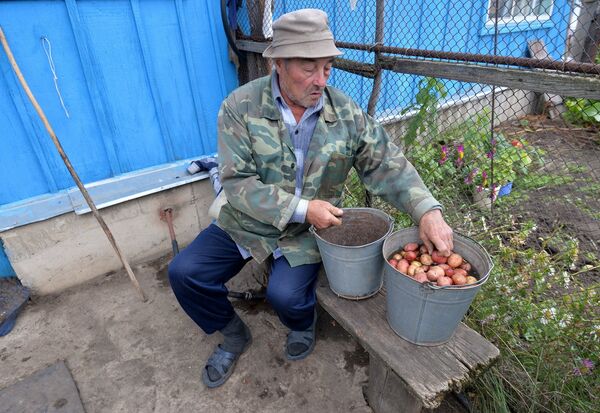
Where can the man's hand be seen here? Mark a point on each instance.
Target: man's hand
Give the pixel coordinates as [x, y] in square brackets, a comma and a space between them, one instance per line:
[322, 214]
[434, 232]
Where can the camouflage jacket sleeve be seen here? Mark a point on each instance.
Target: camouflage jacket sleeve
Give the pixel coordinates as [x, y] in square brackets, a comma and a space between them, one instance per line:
[245, 191]
[386, 172]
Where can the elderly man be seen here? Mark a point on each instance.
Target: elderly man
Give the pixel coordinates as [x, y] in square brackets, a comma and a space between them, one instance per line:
[286, 144]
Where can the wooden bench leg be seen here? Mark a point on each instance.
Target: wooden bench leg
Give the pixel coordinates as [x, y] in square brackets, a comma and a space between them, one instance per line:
[386, 392]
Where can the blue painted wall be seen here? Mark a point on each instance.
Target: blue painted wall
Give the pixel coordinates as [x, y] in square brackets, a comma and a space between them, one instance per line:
[6, 270]
[142, 82]
[448, 25]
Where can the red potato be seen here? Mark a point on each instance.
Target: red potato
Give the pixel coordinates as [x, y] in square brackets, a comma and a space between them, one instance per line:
[425, 267]
[471, 279]
[449, 272]
[393, 262]
[435, 273]
[402, 266]
[444, 281]
[411, 246]
[413, 267]
[459, 279]
[426, 259]
[419, 269]
[438, 258]
[444, 266]
[460, 271]
[455, 260]
[421, 277]
[432, 276]
[410, 256]
[466, 266]
[438, 269]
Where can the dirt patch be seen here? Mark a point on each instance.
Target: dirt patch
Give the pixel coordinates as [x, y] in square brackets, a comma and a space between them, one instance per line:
[568, 195]
[358, 228]
[357, 358]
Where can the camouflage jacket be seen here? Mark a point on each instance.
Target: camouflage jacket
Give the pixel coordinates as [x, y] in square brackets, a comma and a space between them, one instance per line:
[257, 169]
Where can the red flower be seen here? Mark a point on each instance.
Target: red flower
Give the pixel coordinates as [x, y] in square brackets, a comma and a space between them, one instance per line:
[516, 143]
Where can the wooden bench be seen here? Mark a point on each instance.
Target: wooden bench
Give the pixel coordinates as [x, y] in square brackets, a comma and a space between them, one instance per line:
[404, 377]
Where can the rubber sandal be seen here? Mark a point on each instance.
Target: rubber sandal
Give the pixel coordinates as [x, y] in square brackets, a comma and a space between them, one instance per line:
[224, 362]
[306, 337]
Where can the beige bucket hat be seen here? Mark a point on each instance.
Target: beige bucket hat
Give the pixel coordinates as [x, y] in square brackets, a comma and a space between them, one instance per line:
[302, 33]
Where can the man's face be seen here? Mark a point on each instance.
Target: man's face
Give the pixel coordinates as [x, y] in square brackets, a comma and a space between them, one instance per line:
[302, 80]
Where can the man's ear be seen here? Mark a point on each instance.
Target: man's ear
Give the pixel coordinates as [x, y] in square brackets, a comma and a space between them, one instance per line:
[278, 64]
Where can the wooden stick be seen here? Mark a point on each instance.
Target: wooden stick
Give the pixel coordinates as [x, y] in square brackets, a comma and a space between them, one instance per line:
[68, 164]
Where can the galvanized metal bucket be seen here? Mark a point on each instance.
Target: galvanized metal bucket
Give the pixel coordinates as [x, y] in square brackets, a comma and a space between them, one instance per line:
[351, 252]
[426, 314]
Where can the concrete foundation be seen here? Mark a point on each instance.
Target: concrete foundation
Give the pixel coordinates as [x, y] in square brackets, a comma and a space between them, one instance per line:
[69, 249]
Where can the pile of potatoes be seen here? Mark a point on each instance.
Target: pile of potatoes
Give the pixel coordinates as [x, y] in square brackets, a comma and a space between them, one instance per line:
[415, 261]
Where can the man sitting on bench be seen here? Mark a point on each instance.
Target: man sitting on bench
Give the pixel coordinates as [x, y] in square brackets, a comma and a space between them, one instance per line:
[286, 145]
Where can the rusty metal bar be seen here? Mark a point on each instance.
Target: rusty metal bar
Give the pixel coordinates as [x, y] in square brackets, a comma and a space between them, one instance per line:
[358, 68]
[587, 68]
[577, 67]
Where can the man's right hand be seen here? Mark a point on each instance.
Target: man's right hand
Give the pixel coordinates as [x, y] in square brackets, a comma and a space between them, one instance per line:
[322, 214]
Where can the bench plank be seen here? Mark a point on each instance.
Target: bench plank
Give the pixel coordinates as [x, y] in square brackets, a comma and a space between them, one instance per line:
[430, 373]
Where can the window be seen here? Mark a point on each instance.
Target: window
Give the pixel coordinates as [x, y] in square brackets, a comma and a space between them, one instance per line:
[514, 11]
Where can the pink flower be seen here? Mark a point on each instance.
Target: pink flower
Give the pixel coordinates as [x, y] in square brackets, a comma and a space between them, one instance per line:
[444, 156]
[587, 363]
[469, 178]
[586, 367]
[460, 149]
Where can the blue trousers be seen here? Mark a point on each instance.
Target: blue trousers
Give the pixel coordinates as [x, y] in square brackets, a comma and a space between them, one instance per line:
[198, 275]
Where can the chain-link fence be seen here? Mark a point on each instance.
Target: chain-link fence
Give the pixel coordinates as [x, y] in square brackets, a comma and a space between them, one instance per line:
[497, 103]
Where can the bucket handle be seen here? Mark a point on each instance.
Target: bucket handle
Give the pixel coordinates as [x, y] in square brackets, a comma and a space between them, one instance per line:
[432, 286]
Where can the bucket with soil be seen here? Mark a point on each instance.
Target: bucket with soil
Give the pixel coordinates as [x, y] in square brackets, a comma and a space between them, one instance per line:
[351, 252]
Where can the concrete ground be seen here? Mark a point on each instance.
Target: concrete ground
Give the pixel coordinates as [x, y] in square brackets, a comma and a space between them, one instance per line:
[130, 356]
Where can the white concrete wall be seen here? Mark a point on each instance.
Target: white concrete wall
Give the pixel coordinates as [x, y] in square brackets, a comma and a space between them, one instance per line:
[510, 104]
[70, 249]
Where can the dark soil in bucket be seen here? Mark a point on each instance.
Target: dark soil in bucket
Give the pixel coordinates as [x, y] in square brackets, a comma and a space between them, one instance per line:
[358, 228]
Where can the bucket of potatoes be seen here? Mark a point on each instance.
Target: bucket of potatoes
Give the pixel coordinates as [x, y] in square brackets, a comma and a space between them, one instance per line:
[428, 293]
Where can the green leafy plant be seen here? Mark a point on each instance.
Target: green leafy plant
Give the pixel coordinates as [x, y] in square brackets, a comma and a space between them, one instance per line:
[586, 111]
[431, 91]
[483, 161]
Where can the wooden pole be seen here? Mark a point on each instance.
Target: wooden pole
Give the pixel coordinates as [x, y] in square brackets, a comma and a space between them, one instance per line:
[379, 36]
[68, 164]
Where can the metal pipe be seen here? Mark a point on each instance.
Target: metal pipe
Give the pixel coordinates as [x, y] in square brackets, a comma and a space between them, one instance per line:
[167, 216]
[365, 69]
[587, 68]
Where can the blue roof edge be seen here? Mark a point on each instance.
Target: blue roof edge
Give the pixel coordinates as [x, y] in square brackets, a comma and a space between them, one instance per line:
[104, 193]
